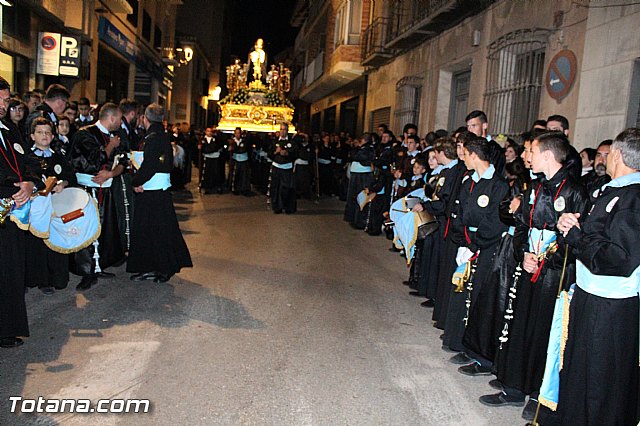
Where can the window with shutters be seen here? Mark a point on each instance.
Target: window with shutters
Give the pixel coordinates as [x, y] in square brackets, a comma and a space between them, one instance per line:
[408, 93]
[378, 117]
[459, 106]
[514, 81]
[348, 23]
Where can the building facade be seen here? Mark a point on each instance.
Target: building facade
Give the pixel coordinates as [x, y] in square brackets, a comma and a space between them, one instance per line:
[329, 84]
[119, 53]
[430, 62]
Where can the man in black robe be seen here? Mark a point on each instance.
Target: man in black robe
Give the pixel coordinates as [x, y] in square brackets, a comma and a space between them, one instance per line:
[158, 250]
[446, 296]
[480, 225]
[360, 177]
[523, 356]
[282, 185]
[326, 158]
[598, 177]
[214, 151]
[477, 124]
[304, 166]
[573, 162]
[97, 158]
[445, 149]
[121, 188]
[241, 174]
[600, 375]
[17, 182]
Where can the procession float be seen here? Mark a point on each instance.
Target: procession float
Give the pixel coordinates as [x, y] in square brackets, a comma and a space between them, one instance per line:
[257, 105]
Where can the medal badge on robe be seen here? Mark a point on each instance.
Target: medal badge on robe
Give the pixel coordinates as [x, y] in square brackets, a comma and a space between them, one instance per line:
[483, 201]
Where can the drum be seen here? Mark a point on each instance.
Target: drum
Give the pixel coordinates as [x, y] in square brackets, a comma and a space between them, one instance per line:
[427, 224]
[75, 223]
[365, 198]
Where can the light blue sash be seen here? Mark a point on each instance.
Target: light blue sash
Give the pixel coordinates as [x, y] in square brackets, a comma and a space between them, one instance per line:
[324, 161]
[284, 166]
[610, 287]
[240, 157]
[356, 167]
[158, 182]
[85, 180]
[301, 162]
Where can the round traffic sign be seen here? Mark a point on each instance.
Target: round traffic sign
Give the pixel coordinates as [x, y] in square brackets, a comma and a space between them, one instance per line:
[48, 43]
[561, 74]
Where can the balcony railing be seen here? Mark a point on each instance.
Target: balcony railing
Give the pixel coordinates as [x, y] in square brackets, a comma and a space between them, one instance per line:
[413, 21]
[374, 53]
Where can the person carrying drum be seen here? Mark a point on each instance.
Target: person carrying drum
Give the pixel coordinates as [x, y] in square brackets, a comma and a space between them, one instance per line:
[48, 270]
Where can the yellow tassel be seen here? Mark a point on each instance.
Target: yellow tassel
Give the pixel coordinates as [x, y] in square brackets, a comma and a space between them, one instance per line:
[565, 327]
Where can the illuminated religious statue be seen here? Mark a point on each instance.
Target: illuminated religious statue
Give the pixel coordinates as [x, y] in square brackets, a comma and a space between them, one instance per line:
[233, 72]
[285, 79]
[243, 73]
[258, 58]
[272, 78]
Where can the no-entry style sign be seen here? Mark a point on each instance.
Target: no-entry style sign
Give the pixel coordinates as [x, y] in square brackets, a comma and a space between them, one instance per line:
[561, 74]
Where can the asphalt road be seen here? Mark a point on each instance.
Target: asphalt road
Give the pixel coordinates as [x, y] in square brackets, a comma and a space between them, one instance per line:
[283, 320]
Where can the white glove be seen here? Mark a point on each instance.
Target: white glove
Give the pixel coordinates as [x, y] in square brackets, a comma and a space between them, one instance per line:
[463, 255]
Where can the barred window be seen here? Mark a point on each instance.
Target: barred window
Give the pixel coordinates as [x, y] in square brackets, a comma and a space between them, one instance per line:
[408, 93]
[514, 80]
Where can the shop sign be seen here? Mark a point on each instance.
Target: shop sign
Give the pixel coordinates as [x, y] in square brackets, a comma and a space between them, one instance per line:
[58, 55]
[112, 36]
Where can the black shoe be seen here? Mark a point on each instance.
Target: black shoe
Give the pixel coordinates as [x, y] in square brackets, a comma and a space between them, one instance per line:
[461, 359]
[289, 212]
[277, 211]
[416, 294]
[427, 303]
[104, 274]
[448, 349]
[393, 249]
[407, 283]
[496, 384]
[529, 411]
[87, 282]
[11, 342]
[144, 276]
[474, 369]
[162, 278]
[48, 291]
[501, 399]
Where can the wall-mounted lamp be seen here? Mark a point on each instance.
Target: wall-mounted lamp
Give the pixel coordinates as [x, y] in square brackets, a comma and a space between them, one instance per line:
[476, 38]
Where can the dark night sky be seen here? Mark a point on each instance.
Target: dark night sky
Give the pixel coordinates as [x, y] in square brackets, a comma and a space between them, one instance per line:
[266, 19]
